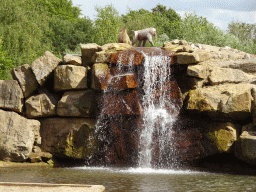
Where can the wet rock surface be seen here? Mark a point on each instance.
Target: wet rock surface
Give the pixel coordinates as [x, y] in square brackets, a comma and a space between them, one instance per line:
[211, 92]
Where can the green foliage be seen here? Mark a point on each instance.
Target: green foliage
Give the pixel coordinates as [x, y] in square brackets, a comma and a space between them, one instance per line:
[170, 20]
[30, 27]
[5, 63]
[107, 25]
[23, 30]
[65, 34]
[198, 30]
[62, 9]
[160, 39]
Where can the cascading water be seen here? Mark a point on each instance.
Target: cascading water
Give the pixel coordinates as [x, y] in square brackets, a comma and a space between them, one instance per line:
[151, 130]
[158, 117]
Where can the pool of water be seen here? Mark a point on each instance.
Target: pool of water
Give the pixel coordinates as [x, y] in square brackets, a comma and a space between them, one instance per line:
[133, 179]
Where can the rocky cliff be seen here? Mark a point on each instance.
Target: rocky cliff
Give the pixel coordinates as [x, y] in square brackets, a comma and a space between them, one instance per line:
[53, 104]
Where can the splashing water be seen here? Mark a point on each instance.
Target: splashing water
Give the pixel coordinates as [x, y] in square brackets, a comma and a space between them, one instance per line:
[156, 147]
[155, 141]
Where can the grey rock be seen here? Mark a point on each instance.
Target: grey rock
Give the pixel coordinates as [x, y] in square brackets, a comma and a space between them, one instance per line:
[26, 78]
[17, 136]
[11, 96]
[44, 66]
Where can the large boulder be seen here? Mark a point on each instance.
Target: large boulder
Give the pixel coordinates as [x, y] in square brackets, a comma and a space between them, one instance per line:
[222, 101]
[78, 104]
[40, 106]
[200, 138]
[43, 66]
[17, 136]
[127, 81]
[126, 102]
[226, 75]
[199, 71]
[88, 50]
[245, 148]
[69, 137]
[116, 47]
[26, 78]
[11, 96]
[72, 59]
[191, 58]
[68, 77]
[105, 55]
[100, 76]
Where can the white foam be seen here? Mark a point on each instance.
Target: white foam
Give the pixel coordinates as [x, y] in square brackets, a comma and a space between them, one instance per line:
[150, 171]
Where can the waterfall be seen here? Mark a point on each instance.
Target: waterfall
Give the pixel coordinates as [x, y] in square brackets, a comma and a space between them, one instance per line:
[156, 136]
[132, 136]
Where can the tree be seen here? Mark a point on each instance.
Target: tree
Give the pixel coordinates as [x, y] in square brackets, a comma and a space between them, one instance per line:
[244, 31]
[66, 35]
[23, 30]
[62, 9]
[107, 25]
[171, 22]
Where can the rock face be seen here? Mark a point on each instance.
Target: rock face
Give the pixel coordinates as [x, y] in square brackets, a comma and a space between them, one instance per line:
[67, 77]
[11, 96]
[78, 104]
[26, 78]
[200, 138]
[245, 149]
[223, 101]
[43, 66]
[88, 50]
[40, 106]
[17, 136]
[212, 89]
[69, 137]
[72, 59]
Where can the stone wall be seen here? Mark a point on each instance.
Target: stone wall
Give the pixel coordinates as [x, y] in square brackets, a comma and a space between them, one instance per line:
[54, 104]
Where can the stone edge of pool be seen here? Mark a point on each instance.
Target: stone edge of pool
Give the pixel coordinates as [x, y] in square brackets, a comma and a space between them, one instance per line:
[39, 187]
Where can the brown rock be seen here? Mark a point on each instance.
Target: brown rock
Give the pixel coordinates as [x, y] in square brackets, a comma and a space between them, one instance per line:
[122, 134]
[69, 137]
[122, 102]
[100, 76]
[125, 57]
[200, 138]
[123, 82]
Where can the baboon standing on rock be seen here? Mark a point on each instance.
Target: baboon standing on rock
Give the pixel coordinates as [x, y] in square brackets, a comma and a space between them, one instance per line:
[144, 35]
[123, 37]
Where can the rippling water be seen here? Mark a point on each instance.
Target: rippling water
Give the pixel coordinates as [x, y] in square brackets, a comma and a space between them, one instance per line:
[132, 179]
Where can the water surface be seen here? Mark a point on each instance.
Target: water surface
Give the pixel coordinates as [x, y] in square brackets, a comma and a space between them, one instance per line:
[132, 179]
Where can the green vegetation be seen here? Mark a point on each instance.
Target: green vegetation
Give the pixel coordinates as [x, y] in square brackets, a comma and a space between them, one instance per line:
[30, 27]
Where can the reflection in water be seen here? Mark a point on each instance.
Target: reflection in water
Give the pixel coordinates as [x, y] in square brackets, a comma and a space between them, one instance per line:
[132, 179]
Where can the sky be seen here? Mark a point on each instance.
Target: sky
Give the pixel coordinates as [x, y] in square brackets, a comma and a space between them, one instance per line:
[218, 12]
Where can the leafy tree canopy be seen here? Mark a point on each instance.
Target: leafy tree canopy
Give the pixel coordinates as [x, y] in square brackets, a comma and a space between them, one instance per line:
[63, 9]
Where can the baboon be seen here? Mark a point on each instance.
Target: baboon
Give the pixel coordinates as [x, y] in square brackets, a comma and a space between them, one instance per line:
[144, 35]
[123, 37]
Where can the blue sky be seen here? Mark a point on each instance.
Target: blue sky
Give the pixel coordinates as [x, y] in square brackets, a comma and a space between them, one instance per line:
[219, 12]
